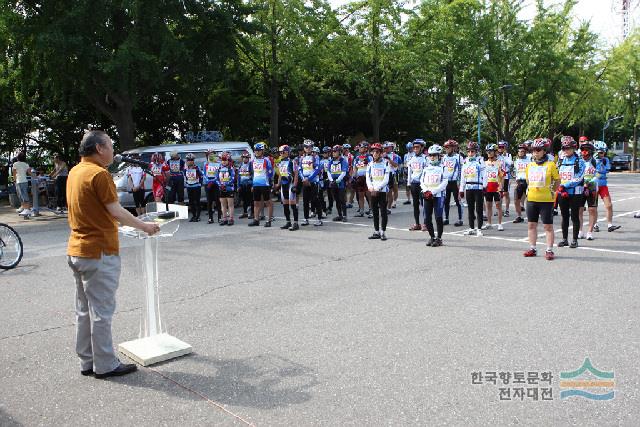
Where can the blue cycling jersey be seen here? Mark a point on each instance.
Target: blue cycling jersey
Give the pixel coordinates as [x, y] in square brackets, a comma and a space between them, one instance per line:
[452, 166]
[226, 177]
[603, 167]
[571, 171]
[309, 168]
[338, 170]
[244, 172]
[192, 177]
[261, 172]
[210, 170]
[286, 171]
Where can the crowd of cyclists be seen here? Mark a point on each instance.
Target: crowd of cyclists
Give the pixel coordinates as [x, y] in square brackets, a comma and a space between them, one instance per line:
[367, 178]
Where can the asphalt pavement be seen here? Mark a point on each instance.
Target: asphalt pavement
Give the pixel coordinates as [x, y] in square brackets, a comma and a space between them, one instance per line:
[325, 327]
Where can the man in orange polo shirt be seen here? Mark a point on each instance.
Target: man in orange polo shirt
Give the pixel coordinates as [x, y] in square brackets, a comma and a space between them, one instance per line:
[93, 254]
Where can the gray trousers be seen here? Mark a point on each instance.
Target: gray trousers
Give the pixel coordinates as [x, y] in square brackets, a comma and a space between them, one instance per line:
[96, 285]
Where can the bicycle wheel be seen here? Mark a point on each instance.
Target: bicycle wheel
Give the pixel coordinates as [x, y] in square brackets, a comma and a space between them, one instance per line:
[10, 247]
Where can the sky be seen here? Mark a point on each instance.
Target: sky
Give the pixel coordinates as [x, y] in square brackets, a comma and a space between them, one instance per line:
[602, 14]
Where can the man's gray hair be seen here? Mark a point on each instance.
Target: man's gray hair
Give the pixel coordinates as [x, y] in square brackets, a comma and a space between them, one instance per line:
[90, 140]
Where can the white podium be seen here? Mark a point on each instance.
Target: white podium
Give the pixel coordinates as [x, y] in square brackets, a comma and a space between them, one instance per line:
[154, 345]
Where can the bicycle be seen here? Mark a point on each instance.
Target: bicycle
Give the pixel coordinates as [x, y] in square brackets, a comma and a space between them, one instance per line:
[11, 249]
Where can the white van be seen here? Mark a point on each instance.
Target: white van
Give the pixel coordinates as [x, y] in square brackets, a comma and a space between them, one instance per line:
[235, 148]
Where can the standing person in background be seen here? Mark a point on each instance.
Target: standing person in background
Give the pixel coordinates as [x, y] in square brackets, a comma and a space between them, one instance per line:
[176, 178]
[520, 168]
[160, 171]
[21, 171]
[309, 171]
[377, 179]
[590, 191]
[262, 177]
[360, 164]
[507, 162]
[542, 181]
[495, 172]
[226, 180]
[93, 254]
[135, 179]
[474, 180]
[193, 182]
[603, 168]
[212, 186]
[60, 174]
[288, 186]
[405, 163]
[395, 162]
[452, 162]
[338, 172]
[415, 165]
[570, 191]
[433, 184]
[245, 186]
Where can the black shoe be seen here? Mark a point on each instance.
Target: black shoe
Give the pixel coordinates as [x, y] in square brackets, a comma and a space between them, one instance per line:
[261, 217]
[244, 215]
[613, 228]
[375, 235]
[305, 223]
[294, 227]
[431, 241]
[574, 244]
[445, 222]
[197, 219]
[337, 218]
[437, 242]
[563, 243]
[223, 222]
[518, 220]
[458, 223]
[383, 237]
[122, 369]
[406, 203]
[344, 219]
[286, 226]
[87, 373]
[267, 224]
[210, 221]
[254, 223]
[193, 219]
[555, 212]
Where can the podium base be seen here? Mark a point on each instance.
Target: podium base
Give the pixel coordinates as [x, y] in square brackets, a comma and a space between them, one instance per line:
[155, 349]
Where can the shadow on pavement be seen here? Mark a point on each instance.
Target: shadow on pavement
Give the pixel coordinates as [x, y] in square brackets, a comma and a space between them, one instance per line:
[7, 421]
[264, 382]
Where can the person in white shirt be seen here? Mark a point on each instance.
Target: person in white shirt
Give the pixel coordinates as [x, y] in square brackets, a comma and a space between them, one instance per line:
[136, 176]
[21, 171]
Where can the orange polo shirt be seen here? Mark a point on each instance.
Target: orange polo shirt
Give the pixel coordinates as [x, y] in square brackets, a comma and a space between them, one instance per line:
[94, 230]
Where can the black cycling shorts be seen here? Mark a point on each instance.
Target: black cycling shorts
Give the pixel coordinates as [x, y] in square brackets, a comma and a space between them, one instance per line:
[540, 210]
[226, 194]
[492, 196]
[521, 188]
[392, 179]
[505, 184]
[139, 199]
[261, 193]
[591, 201]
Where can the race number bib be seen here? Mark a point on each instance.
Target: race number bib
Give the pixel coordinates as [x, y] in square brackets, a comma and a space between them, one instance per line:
[471, 174]
[450, 165]
[432, 180]
[211, 171]
[191, 175]
[566, 173]
[224, 176]
[492, 174]
[174, 166]
[284, 169]
[156, 169]
[537, 176]
[307, 165]
[336, 168]
[377, 174]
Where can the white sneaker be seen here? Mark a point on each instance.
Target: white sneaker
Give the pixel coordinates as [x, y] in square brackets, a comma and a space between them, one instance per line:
[486, 227]
[19, 210]
[589, 236]
[500, 227]
[318, 223]
[25, 212]
[581, 235]
[35, 213]
[470, 232]
[478, 233]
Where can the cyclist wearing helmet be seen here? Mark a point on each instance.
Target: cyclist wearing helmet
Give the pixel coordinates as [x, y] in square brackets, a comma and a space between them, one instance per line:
[338, 170]
[176, 177]
[590, 191]
[495, 171]
[405, 166]
[415, 166]
[571, 170]
[160, 171]
[474, 180]
[324, 182]
[309, 173]
[226, 180]
[507, 161]
[261, 170]
[377, 178]
[452, 163]
[542, 180]
[603, 168]
[360, 164]
[395, 162]
[349, 192]
[520, 169]
[212, 187]
[193, 180]
[433, 183]
[288, 186]
[245, 185]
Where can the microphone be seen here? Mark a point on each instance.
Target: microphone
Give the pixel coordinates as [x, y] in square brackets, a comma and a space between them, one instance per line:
[120, 158]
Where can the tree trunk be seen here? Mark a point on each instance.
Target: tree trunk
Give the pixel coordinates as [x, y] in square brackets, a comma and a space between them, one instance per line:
[274, 109]
[634, 151]
[376, 117]
[448, 104]
[119, 109]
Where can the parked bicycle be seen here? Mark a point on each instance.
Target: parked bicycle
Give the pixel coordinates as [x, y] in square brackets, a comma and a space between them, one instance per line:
[10, 247]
